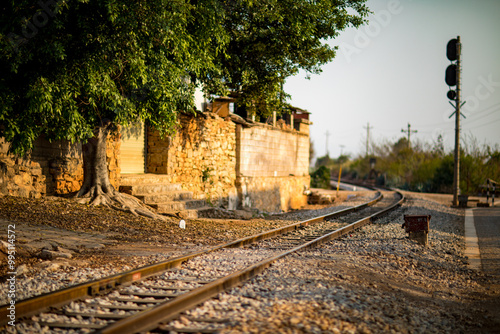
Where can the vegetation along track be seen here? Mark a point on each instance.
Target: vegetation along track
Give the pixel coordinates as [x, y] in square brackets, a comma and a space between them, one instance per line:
[145, 298]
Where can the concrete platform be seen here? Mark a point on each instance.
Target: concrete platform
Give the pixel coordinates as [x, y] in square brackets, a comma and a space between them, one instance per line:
[482, 235]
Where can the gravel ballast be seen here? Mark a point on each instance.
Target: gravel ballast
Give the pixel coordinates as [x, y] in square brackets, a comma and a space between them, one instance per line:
[373, 281]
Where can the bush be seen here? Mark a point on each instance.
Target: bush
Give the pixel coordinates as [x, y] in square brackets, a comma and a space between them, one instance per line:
[321, 178]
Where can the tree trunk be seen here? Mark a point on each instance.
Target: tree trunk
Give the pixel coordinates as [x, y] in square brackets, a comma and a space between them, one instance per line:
[95, 169]
[96, 188]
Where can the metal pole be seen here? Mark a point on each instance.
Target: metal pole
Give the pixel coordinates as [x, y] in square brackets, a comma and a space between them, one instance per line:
[493, 195]
[409, 134]
[338, 182]
[456, 171]
[487, 190]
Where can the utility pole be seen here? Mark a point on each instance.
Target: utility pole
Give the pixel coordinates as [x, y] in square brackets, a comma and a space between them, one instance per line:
[342, 149]
[367, 127]
[409, 133]
[327, 135]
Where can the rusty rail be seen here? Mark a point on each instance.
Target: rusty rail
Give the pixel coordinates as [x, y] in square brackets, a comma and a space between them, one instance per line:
[149, 319]
[37, 304]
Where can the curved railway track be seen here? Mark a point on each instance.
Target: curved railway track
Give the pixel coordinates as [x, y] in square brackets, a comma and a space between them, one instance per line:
[148, 298]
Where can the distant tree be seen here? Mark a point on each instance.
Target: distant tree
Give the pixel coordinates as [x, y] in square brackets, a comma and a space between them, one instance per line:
[311, 150]
[342, 159]
[324, 161]
[443, 177]
[439, 146]
[321, 178]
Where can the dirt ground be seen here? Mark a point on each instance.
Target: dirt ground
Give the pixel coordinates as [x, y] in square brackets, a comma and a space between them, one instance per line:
[98, 235]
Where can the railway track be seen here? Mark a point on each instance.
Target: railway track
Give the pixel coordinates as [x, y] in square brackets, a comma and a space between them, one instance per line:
[148, 298]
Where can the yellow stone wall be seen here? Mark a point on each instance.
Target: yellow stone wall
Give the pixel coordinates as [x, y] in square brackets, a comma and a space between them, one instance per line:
[201, 156]
[52, 168]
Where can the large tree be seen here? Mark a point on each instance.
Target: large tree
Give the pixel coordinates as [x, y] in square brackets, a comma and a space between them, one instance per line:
[75, 69]
[271, 40]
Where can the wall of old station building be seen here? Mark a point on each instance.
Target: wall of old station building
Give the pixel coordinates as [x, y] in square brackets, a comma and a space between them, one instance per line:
[225, 163]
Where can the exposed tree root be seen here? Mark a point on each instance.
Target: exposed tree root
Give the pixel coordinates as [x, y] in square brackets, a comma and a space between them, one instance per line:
[111, 198]
[96, 188]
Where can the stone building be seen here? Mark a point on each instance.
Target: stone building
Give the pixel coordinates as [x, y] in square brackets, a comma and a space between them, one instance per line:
[222, 161]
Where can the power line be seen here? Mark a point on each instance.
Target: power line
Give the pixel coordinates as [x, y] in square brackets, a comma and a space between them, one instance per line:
[484, 124]
[472, 114]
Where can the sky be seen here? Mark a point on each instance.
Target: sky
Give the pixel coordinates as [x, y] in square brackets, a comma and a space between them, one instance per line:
[390, 73]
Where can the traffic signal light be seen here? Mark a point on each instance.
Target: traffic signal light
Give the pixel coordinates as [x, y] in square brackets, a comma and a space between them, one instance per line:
[451, 75]
[451, 49]
[451, 71]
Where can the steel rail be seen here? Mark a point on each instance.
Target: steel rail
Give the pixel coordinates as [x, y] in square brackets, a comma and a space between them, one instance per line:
[37, 304]
[149, 319]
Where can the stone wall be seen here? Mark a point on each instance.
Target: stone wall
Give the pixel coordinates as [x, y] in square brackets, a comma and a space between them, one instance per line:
[52, 168]
[201, 157]
[227, 164]
[61, 164]
[18, 176]
[253, 167]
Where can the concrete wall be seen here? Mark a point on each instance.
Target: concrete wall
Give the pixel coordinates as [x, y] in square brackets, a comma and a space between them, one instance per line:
[272, 194]
[273, 167]
[264, 151]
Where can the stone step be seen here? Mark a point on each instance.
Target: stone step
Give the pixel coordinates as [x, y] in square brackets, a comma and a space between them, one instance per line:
[190, 214]
[175, 206]
[148, 189]
[165, 197]
[137, 179]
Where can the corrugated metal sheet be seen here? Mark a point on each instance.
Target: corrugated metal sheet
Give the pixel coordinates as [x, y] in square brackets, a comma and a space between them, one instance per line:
[133, 149]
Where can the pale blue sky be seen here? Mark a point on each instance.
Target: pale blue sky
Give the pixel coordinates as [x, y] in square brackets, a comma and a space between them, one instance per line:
[391, 73]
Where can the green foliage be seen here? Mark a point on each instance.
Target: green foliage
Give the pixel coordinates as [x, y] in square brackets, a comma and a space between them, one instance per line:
[428, 169]
[205, 175]
[96, 61]
[321, 178]
[271, 40]
[324, 161]
[69, 66]
[443, 177]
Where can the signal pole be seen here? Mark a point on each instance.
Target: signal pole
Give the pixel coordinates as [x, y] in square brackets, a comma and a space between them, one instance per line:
[456, 170]
[452, 78]
[409, 133]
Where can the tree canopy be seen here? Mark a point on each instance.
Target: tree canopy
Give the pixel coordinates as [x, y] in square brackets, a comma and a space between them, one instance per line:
[271, 40]
[70, 66]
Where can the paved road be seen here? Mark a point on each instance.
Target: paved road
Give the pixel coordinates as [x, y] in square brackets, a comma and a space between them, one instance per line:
[347, 186]
[487, 224]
